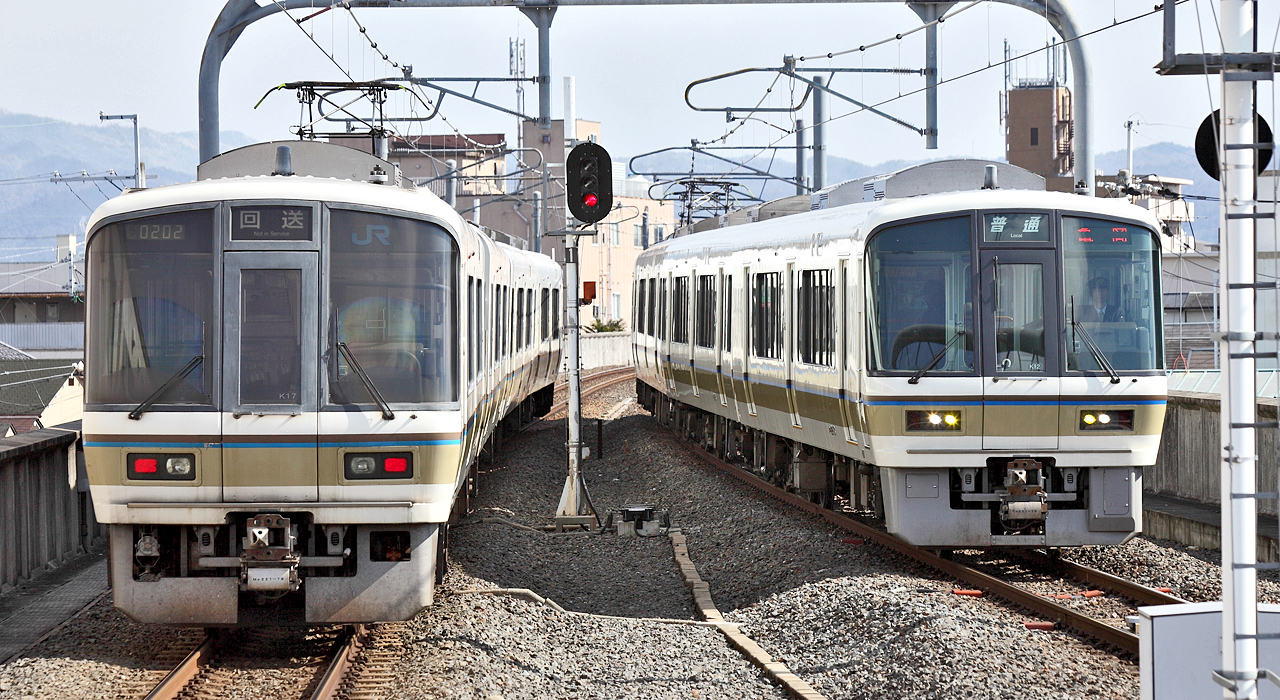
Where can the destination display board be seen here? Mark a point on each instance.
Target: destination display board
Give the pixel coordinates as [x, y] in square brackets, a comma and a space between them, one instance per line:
[271, 223]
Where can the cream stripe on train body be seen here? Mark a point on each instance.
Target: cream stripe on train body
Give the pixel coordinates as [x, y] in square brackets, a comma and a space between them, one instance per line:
[275, 420]
[837, 425]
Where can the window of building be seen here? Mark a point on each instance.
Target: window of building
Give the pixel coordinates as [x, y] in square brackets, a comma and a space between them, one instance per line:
[656, 233]
[705, 322]
[1035, 136]
[638, 235]
[615, 234]
[766, 315]
[680, 310]
[815, 318]
[616, 306]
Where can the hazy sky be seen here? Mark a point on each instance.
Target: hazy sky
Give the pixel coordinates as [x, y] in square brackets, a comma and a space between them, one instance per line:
[69, 59]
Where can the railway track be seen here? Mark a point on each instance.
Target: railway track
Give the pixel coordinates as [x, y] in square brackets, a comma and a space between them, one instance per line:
[358, 666]
[596, 381]
[1043, 606]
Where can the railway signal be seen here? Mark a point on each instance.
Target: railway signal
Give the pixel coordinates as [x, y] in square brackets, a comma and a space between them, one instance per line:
[589, 181]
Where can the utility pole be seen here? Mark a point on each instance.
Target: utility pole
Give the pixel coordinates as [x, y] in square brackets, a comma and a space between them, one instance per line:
[819, 129]
[139, 175]
[1128, 143]
[1237, 149]
[799, 156]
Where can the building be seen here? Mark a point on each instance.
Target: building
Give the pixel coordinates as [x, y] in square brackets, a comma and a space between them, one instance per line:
[1038, 131]
[39, 394]
[42, 304]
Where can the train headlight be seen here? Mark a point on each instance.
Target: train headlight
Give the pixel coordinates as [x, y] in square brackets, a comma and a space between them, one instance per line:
[930, 421]
[178, 466]
[1106, 420]
[381, 465]
[162, 467]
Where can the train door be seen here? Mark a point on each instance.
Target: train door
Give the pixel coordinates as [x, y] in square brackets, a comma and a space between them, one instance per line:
[788, 341]
[1021, 351]
[270, 356]
[845, 346]
[744, 348]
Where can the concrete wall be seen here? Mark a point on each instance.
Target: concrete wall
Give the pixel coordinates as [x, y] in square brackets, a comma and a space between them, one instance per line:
[1189, 464]
[46, 516]
[603, 350]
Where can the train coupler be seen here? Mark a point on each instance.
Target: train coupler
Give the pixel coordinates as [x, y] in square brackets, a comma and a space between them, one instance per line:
[269, 561]
[1024, 497]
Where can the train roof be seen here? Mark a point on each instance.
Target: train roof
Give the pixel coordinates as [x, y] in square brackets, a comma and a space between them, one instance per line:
[854, 221]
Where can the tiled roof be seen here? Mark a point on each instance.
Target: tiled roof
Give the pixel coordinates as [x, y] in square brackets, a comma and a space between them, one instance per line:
[8, 352]
[27, 386]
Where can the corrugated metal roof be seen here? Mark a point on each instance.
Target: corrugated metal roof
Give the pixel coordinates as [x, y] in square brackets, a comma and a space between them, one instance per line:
[37, 278]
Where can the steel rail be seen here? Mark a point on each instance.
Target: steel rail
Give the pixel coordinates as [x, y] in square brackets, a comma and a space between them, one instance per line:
[347, 651]
[181, 675]
[601, 381]
[1143, 595]
[1122, 639]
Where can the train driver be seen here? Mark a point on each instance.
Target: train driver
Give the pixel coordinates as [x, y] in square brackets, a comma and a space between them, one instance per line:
[1100, 310]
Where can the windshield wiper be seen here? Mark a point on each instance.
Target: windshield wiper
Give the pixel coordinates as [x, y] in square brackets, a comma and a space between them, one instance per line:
[169, 383]
[915, 378]
[1094, 350]
[368, 383]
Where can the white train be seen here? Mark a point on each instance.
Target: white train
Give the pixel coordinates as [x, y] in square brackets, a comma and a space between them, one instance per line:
[981, 367]
[289, 379]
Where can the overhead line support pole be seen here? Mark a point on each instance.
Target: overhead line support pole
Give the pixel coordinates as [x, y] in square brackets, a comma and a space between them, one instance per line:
[236, 15]
[930, 12]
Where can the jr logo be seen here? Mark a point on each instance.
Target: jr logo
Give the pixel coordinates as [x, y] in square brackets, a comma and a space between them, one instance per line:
[382, 233]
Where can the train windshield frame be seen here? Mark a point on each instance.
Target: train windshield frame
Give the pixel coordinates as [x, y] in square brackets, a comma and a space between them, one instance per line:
[152, 308]
[392, 291]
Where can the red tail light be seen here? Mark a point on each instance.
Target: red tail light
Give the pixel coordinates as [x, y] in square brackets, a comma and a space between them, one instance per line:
[145, 466]
[396, 464]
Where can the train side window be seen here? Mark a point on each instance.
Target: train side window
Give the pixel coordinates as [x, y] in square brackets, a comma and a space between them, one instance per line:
[705, 330]
[653, 302]
[680, 310]
[726, 319]
[519, 319]
[556, 310]
[662, 309]
[530, 314]
[471, 328]
[546, 313]
[766, 315]
[815, 302]
[638, 321]
[497, 323]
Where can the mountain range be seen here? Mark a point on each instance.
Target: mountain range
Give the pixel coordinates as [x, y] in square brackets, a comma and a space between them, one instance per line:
[34, 210]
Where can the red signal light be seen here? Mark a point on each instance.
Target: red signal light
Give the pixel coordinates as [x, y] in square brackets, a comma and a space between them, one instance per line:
[396, 464]
[590, 200]
[144, 466]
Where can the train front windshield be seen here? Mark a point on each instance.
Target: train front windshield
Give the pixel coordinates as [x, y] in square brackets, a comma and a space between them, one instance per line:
[921, 292]
[151, 309]
[925, 282]
[1110, 287]
[392, 291]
